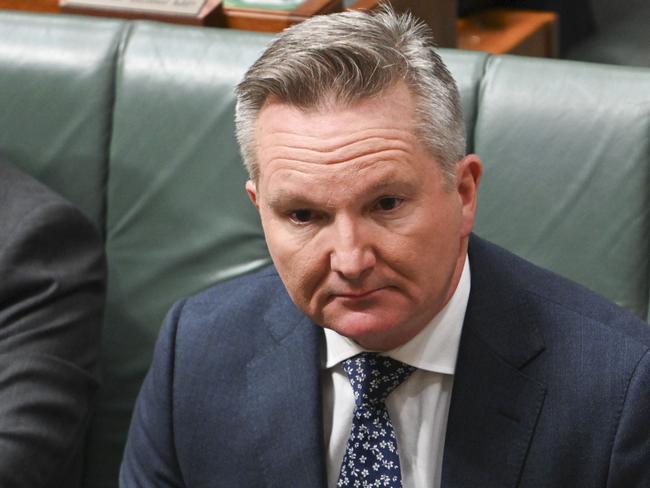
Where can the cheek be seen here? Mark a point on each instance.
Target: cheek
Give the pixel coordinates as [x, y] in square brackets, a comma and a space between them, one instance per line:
[427, 252]
[303, 277]
[297, 260]
[420, 239]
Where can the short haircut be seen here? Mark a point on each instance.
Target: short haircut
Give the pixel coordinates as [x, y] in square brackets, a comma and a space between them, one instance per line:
[352, 56]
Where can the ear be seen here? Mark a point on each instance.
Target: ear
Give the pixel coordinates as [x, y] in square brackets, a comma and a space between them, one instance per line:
[251, 189]
[468, 177]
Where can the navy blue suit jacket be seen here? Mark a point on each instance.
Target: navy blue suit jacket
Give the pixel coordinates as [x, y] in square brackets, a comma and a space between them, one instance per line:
[552, 388]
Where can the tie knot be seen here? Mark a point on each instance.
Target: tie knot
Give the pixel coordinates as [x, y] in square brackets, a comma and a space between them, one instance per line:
[374, 377]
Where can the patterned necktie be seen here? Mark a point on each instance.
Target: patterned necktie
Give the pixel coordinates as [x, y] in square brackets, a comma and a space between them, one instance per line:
[371, 458]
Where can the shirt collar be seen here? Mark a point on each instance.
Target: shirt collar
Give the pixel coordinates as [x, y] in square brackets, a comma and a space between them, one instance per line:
[434, 348]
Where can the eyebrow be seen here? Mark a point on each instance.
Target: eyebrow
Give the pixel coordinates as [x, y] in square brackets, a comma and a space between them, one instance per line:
[283, 198]
[391, 185]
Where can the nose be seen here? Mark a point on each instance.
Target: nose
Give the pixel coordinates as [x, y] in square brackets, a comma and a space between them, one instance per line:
[352, 255]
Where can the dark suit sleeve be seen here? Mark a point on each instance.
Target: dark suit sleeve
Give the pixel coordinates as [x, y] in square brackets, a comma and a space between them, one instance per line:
[630, 462]
[52, 288]
[149, 456]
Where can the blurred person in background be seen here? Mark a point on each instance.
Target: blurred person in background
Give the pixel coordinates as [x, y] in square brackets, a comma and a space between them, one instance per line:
[52, 292]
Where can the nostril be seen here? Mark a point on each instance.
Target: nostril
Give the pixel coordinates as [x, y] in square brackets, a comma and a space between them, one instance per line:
[352, 264]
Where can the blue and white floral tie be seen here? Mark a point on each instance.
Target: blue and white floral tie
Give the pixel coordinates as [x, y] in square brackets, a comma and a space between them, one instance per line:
[371, 458]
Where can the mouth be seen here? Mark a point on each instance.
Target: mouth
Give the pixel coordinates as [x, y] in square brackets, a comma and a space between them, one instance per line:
[356, 295]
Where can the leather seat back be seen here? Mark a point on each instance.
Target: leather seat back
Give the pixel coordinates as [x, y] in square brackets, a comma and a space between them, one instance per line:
[56, 93]
[566, 148]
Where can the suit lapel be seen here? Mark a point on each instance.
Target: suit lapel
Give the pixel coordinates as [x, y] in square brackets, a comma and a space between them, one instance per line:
[494, 406]
[284, 396]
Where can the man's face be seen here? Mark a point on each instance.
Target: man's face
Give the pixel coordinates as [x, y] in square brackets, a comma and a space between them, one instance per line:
[366, 236]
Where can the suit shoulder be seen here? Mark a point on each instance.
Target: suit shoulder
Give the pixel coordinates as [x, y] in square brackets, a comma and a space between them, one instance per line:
[249, 289]
[226, 305]
[543, 293]
[26, 205]
[21, 191]
[231, 322]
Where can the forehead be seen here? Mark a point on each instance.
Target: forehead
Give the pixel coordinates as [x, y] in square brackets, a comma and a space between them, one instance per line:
[339, 140]
[329, 117]
[336, 154]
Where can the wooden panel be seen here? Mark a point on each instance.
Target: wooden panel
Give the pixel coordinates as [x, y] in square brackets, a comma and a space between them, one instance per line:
[501, 31]
[276, 20]
[210, 15]
[31, 5]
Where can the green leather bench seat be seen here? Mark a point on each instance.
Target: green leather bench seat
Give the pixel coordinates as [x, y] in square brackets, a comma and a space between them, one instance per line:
[133, 121]
[178, 218]
[567, 167]
[467, 67]
[56, 86]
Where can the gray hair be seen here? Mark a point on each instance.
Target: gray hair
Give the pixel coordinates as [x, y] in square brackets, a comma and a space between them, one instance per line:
[352, 56]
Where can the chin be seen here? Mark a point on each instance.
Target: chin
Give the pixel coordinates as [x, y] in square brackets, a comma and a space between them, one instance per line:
[368, 330]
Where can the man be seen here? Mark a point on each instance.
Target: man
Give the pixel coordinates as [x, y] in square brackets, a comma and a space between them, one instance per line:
[52, 285]
[499, 373]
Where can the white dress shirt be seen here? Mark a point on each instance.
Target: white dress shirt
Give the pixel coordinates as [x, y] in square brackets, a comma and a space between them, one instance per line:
[418, 408]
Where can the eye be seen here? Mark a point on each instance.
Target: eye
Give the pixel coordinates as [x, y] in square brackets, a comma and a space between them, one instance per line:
[301, 216]
[389, 203]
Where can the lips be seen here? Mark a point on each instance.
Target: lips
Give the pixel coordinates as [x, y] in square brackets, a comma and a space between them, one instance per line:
[357, 295]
